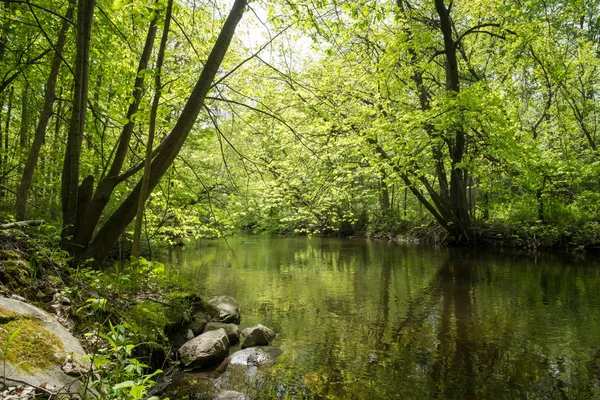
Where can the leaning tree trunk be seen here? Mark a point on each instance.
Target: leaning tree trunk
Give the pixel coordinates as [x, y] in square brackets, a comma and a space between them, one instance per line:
[118, 221]
[70, 174]
[137, 233]
[40, 132]
[107, 184]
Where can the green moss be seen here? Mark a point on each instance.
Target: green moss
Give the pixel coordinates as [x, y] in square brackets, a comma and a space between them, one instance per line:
[27, 344]
[14, 272]
[8, 254]
[151, 318]
[7, 315]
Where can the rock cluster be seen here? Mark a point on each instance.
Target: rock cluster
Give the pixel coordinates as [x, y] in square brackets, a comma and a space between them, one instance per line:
[213, 332]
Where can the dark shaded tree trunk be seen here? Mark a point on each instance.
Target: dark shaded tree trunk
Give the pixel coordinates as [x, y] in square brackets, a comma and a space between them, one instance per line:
[449, 203]
[4, 146]
[70, 174]
[40, 132]
[107, 184]
[384, 199]
[124, 215]
[459, 204]
[25, 117]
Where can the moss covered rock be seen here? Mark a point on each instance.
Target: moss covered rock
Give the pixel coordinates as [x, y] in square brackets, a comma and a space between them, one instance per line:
[35, 346]
[154, 319]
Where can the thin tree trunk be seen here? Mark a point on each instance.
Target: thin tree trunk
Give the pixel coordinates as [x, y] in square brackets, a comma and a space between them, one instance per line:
[70, 175]
[25, 117]
[40, 132]
[384, 198]
[2, 99]
[137, 233]
[118, 221]
[7, 130]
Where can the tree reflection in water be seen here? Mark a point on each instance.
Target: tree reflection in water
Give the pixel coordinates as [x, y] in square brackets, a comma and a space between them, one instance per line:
[364, 319]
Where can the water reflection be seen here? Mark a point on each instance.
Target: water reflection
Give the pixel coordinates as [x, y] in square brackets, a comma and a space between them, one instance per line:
[360, 319]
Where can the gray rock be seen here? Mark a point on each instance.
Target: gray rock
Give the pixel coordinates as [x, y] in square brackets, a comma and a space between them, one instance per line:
[229, 310]
[37, 329]
[255, 356]
[206, 349]
[258, 335]
[231, 395]
[190, 334]
[233, 331]
[198, 323]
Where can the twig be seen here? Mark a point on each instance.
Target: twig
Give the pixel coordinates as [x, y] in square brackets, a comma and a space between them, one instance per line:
[22, 223]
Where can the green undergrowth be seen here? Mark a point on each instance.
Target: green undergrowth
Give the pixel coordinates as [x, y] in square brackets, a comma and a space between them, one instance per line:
[124, 315]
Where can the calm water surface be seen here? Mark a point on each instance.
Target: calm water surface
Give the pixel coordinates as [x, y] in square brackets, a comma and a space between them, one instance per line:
[375, 320]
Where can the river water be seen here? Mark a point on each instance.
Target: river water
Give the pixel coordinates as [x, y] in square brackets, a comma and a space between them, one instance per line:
[361, 319]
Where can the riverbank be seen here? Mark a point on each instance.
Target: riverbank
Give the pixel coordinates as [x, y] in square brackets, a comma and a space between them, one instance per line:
[571, 239]
[126, 317]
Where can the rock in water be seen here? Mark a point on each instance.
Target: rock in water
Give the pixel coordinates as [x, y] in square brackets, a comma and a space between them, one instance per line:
[231, 395]
[258, 335]
[233, 331]
[39, 349]
[206, 349]
[229, 310]
[255, 356]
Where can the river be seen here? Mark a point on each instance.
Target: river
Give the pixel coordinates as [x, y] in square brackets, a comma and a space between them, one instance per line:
[361, 319]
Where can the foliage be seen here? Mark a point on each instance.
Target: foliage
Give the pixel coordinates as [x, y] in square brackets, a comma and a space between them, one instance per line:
[121, 375]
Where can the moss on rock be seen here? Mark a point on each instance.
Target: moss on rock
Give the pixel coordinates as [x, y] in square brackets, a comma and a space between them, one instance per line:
[151, 318]
[26, 344]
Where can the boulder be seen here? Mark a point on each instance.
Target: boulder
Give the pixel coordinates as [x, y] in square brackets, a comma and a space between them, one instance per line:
[39, 349]
[229, 310]
[231, 395]
[233, 331]
[258, 335]
[255, 356]
[206, 349]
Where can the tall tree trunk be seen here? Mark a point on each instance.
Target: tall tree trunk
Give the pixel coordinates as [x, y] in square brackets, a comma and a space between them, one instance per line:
[172, 144]
[70, 174]
[25, 117]
[137, 233]
[459, 204]
[2, 99]
[4, 152]
[40, 132]
[107, 184]
[384, 198]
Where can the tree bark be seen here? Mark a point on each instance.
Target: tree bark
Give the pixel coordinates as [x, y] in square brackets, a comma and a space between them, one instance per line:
[119, 220]
[137, 233]
[107, 184]
[25, 116]
[4, 152]
[459, 204]
[70, 174]
[40, 132]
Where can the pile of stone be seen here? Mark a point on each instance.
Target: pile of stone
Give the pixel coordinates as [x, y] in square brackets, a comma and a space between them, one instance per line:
[213, 332]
